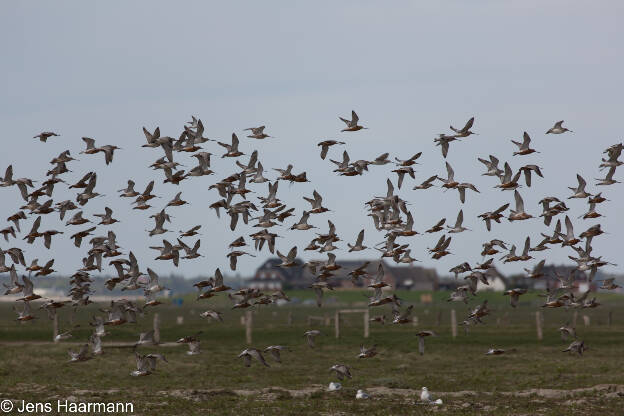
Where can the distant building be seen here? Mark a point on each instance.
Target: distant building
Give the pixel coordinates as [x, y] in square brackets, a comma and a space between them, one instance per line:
[269, 276]
[496, 281]
[415, 278]
[581, 279]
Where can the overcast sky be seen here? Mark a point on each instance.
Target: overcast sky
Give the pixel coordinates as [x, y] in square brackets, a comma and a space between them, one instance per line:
[105, 69]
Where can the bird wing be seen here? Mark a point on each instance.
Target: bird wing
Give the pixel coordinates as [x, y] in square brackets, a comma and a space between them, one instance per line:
[519, 202]
[451, 173]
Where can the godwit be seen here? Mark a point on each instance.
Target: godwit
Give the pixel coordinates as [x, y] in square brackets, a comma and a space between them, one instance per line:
[558, 128]
[217, 316]
[25, 314]
[8, 231]
[518, 214]
[408, 162]
[367, 352]
[377, 282]
[450, 181]
[289, 260]
[567, 331]
[577, 347]
[527, 169]
[15, 287]
[311, 336]
[523, 148]
[608, 180]
[465, 131]
[275, 351]
[303, 222]
[536, 273]
[439, 226]
[46, 269]
[514, 295]
[232, 149]
[352, 125]
[591, 213]
[579, 191]
[458, 228]
[257, 133]
[107, 217]
[592, 231]
[492, 167]
[234, 255]
[426, 184]
[461, 268]
[81, 355]
[440, 250]
[317, 203]
[401, 173]
[43, 136]
[496, 215]
[381, 160]
[597, 199]
[498, 351]
[325, 145]
[359, 243]
[15, 218]
[609, 284]
[402, 317]
[443, 141]
[462, 190]
[568, 237]
[341, 371]
[191, 253]
[421, 340]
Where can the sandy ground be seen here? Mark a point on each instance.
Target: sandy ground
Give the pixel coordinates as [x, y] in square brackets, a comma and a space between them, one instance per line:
[608, 390]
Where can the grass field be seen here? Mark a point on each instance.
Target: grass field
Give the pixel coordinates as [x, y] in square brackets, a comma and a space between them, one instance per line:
[535, 379]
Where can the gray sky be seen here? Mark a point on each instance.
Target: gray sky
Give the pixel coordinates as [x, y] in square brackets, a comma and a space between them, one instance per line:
[105, 69]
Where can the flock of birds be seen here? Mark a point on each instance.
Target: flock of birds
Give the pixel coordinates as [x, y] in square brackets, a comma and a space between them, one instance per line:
[390, 215]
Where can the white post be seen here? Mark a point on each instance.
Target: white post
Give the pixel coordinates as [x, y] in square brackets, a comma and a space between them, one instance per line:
[453, 323]
[156, 328]
[248, 325]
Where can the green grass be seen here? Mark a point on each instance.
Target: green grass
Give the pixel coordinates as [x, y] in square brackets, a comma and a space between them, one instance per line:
[216, 382]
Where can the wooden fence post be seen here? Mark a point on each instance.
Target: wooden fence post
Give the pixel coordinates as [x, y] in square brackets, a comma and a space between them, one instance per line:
[156, 328]
[574, 319]
[366, 323]
[290, 318]
[337, 324]
[248, 325]
[453, 323]
[610, 317]
[538, 322]
[586, 320]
